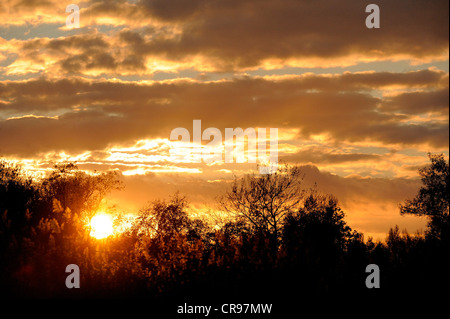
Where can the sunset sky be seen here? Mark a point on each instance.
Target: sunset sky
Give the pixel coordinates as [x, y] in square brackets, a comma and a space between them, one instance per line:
[359, 108]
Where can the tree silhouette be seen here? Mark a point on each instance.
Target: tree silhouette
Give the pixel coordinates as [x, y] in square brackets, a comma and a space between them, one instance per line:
[263, 201]
[283, 239]
[78, 190]
[17, 192]
[168, 242]
[433, 198]
[316, 239]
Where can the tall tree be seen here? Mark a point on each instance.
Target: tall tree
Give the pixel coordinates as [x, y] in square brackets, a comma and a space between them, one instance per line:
[263, 201]
[433, 197]
[317, 241]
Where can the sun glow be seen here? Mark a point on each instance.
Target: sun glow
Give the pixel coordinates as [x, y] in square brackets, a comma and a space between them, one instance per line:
[101, 226]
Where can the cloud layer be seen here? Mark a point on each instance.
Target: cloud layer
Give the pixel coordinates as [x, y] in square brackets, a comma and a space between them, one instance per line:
[65, 114]
[358, 108]
[227, 35]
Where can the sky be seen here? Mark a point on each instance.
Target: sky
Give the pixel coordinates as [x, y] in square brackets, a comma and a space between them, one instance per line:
[358, 108]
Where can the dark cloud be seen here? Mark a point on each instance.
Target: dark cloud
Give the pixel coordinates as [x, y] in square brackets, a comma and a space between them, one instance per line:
[419, 102]
[229, 35]
[366, 189]
[239, 34]
[76, 54]
[34, 3]
[175, 9]
[92, 115]
[370, 80]
[318, 156]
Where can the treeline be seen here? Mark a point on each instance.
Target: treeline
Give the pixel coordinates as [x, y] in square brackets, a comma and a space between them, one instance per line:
[282, 241]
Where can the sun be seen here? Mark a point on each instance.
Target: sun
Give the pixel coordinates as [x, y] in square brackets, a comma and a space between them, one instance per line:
[101, 226]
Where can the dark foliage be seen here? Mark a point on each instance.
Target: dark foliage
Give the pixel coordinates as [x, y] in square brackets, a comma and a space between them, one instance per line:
[433, 198]
[284, 242]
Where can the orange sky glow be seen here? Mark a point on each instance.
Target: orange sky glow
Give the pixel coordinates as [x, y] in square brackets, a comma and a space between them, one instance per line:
[359, 109]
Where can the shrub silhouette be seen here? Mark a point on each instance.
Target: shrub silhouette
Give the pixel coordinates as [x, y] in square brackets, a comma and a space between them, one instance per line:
[282, 241]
